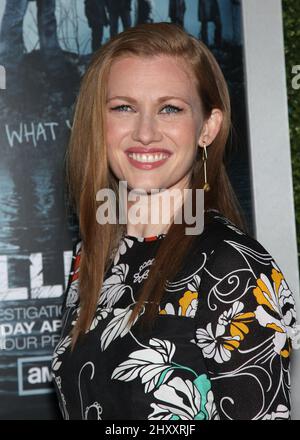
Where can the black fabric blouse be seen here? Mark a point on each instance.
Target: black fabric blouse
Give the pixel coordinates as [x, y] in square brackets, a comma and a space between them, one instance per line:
[219, 348]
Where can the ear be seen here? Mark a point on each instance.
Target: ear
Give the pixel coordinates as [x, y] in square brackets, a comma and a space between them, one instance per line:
[211, 127]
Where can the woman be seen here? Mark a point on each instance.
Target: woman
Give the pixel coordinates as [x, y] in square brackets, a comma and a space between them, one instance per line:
[186, 326]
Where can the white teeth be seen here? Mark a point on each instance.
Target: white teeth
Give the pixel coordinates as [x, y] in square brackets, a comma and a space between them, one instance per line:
[148, 158]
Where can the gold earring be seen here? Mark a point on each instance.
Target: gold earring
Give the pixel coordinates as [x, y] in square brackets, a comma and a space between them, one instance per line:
[206, 186]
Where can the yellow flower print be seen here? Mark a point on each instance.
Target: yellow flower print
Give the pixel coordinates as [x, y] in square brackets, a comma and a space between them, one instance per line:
[230, 343]
[236, 320]
[276, 296]
[187, 305]
[168, 310]
[219, 346]
[265, 293]
[238, 325]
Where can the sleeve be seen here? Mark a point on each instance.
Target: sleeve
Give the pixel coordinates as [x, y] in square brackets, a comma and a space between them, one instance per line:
[244, 324]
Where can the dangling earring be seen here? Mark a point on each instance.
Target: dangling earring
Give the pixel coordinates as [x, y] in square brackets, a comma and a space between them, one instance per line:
[206, 186]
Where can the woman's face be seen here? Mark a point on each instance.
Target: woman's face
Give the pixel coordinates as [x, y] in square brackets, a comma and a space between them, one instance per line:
[153, 121]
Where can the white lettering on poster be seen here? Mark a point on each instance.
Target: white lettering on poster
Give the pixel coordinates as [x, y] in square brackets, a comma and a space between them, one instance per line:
[39, 375]
[37, 288]
[30, 328]
[20, 328]
[32, 132]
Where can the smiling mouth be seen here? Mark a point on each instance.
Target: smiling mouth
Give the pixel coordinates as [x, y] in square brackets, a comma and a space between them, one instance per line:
[148, 157]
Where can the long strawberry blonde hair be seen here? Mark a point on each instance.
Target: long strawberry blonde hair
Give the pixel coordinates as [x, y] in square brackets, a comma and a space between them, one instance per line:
[87, 167]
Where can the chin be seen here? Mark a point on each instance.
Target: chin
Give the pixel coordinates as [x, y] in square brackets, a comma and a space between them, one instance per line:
[140, 189]
[144, 187]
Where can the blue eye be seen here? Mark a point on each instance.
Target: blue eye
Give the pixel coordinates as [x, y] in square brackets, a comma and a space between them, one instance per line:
[173, 108]
[120, 107]
[124, 107]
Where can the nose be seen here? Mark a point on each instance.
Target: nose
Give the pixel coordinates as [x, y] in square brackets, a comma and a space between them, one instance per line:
[146, 129]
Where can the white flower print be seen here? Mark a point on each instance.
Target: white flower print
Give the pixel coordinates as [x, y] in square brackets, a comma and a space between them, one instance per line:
[194, 285]
[122, 249]
[235, 320]
[241, 320]
[118, 326]
[95, 408]
[142, 274]
[62, 403]
[73, 296]
[216, 346]
[187, 303]
[191, 309]
[174, 406]
[173, 403]
[226, 317]
[148, 364]
[167, 310]
[113, 287]
[281, 413]
[211, 407]
[59, 350]
[274, 295]
[99, 315]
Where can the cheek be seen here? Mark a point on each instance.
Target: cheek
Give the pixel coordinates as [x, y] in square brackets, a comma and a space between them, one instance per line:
[111, 133]
[114, 158]
[114, 163]
[115, 130]
[185, 136]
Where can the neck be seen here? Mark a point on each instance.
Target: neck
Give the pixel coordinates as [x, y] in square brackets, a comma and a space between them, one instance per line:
[152, 214]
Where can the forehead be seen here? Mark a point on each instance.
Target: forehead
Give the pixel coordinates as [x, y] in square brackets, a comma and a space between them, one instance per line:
[162, 72]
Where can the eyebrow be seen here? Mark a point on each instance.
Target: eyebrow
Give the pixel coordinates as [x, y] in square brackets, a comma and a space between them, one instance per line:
[159, 100]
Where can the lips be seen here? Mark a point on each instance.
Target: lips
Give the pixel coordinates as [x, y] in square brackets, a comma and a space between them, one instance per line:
[143, 150]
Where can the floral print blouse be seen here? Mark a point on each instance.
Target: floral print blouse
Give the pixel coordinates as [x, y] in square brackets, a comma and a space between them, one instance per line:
[219, 349]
